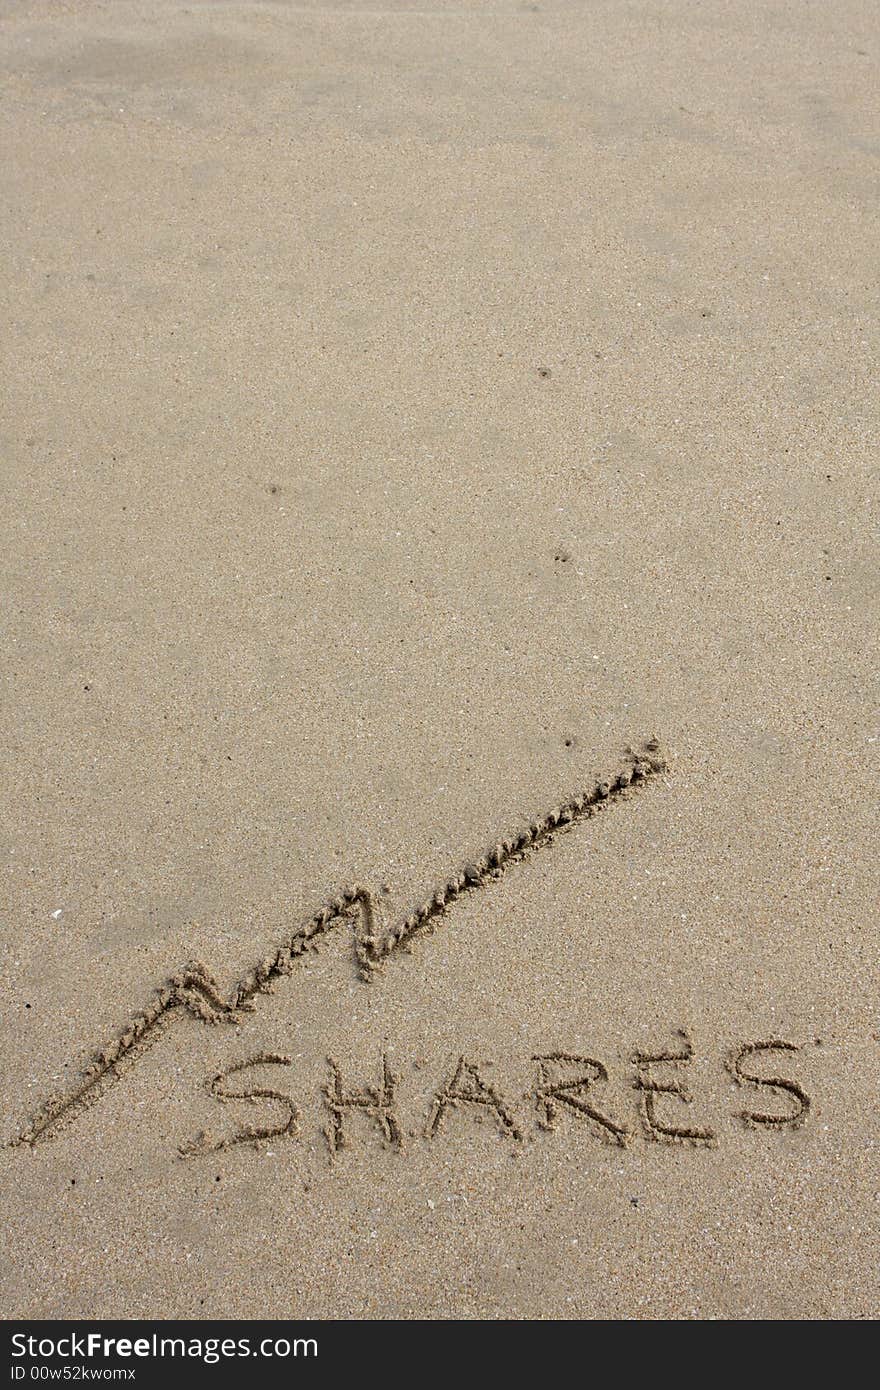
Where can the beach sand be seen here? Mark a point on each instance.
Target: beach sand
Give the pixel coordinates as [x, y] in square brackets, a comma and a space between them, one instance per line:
[406, 411]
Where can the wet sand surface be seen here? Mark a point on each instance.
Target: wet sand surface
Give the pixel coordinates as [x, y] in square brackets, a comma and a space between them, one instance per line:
[406, 412]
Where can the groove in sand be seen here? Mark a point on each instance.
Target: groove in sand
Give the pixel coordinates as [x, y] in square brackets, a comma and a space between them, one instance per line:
[195, 989]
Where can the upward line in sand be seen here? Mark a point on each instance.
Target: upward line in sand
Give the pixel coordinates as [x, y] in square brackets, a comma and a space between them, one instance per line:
[195, 989]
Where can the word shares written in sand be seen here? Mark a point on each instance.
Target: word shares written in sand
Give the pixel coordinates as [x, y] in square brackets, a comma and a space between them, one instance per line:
[566, 1091]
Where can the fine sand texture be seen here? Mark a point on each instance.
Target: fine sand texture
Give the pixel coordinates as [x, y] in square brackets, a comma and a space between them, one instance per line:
[439, 588]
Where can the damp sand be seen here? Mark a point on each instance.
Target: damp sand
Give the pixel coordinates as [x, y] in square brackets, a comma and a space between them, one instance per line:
[414, 422]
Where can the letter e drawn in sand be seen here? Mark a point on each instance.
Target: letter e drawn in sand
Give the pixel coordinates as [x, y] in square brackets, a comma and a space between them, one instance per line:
[649, 1088]
[195, 991]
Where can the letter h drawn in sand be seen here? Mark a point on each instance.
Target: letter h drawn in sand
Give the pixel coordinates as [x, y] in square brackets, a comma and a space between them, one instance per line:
[375, 1101]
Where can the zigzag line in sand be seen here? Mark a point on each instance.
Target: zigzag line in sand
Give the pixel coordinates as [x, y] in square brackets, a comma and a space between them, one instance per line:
[195, 989]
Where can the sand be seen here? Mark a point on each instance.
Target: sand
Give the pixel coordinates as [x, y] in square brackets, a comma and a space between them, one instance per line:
[407, 412]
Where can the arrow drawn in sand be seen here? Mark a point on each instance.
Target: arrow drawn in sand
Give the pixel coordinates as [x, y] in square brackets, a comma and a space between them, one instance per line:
[195, 990]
